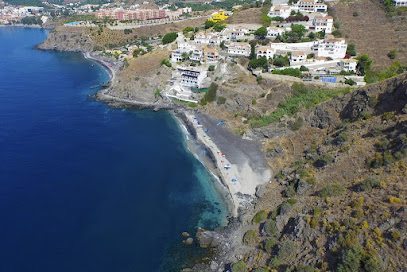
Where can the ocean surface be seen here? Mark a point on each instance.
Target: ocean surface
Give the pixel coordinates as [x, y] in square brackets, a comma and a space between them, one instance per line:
[84, 187]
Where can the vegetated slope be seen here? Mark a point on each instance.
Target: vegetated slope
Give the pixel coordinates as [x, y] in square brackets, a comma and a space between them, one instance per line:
[371, 30]
[338, 202]
[247, 16]
[118, 37]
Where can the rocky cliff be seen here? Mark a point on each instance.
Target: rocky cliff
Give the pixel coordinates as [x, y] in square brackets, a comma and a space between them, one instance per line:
[72, 39]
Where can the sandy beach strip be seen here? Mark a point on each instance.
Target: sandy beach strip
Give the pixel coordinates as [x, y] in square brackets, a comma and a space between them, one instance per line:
[237, 176]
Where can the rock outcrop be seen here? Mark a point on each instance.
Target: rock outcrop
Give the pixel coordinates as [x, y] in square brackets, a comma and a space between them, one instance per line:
[68, 39]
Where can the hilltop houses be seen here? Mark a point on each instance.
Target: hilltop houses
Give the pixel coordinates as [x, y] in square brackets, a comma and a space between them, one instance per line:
[265, 51]
[400, 3]
[207, 38]
[348, 65]
[297, 57]
[331, 48]
[239, 49]
[311, 6]
[191, 76]
[282, 10]
[218, 16]
[322, 23]
[273, 31]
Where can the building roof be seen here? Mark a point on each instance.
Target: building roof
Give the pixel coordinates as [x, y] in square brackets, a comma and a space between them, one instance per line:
[298, 53]
[239, 44]
[264, 48]
[349, 60]
[275, 28]
[323, 17]
[334, 40]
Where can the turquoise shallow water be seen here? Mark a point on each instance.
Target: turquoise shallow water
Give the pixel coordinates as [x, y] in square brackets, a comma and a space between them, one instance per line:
[88, 188]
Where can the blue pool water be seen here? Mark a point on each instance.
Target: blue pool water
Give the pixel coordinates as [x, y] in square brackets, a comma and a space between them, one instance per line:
[84, 187]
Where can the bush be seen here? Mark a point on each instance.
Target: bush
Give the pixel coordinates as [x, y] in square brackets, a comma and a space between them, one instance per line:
[260, 270]
[351, 50]
[270, 227]
[211, 68]
[169, 37]
[127, 31]
[260, 62]
[355, 14]
[351, 260]
[306, 268]
[210, 94]
[209, 24]
[331, 190]
[281, 61]
[337, 33]
[303, 68]
[323, 160]
[259, 79]
[350, 82]
[295, 72]
[395, 235]
[260, 217]
[270, 244]
[286, 250]
[240, 266]
[392, 54]
[221, 100]
[369, 183]
[341, 138]
[250, 237]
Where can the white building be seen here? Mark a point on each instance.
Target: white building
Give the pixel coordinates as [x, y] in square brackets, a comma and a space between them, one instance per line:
[400, 3]
[297, 57]
[320, 7]
[273, 31]
[207, 39]
[283, 48]
[306, 5]
[332, 48]
[197, 54]
[265, 51]
[282, 10]
[239, 49]
[239, 33]
[348, 65]
[191, 76]
[323, 23]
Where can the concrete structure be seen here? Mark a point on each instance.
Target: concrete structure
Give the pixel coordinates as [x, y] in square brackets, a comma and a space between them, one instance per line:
[239, 33]
[218, 16]
[307, 5]
[191, 76]
[331, 48]
[323, 23]
[400, 3]
[283, 48]
[297, 57]
[207, 38]
[283, 10]
[212, 55]
[265, 51]
[239, 49]
[348, 65]
[140, 15]
[273, 31]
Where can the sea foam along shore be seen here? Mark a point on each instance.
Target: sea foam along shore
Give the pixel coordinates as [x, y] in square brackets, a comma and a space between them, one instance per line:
[238, 163]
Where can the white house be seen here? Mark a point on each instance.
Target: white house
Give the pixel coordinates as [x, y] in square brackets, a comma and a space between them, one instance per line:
[306, 5]
[283, 48]
[273, 31]
[197, 54]
[239, 49]
[265, 51]
[323, 23]
[332, 48]
[183, 47]
[297, 57]
[207, 39]
[348, 65]
[320, 7]
[212, 55]
[191, 76]
[282, 10]
[400, 3]
[239, 33]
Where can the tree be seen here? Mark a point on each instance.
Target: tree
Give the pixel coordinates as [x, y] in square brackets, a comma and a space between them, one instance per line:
[281, 61]
[253, 44]
[260, 62]
[218, 27]
[169, 37]
[222, 45]
[337, 33]
[209, 24]
[364, 64]
[261, 32]
[311, 36]
[188, 29]
[351, 50]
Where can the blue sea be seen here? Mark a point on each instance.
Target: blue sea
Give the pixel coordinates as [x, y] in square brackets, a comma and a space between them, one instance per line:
[84, 187]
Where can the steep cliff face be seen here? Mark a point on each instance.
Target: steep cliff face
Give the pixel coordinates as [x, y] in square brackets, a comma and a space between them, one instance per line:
[70, 39]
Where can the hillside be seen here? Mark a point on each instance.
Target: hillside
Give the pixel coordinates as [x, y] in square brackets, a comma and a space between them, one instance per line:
[338, 202]
[372, 30]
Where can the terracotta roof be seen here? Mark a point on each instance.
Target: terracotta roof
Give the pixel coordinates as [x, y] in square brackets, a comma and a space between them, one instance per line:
[333, 40]
[349, 60]
[298, 53]
[263, 48]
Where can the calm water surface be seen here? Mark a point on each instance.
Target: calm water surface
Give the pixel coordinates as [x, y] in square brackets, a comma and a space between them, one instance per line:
[84, 187]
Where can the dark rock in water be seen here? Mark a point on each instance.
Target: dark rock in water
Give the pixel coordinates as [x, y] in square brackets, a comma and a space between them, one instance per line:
[302, 187]
[208, 238]
[188, 241]
[185, 234]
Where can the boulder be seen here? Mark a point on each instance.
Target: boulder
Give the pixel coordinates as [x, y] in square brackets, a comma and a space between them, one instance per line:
[209, 239]
[302, 187]
[188, 241]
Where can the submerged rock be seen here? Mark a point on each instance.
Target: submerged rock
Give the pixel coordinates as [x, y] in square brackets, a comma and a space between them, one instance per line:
[188, 241]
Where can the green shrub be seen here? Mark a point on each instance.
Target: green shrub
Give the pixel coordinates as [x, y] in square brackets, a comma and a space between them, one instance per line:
[211, 68]
[350, 82]
[372, 101]
[259, 62]
[270, 227]
[303, 68]
[270, 244]
[275, 262]
[250, 237]
[331, 190]
[395, 235]
[169, 37]
[324, 160]
[392, 54]
[337, 33]
[210, 94]
[286, 250]
[259, 79]
[260, 217]
[260, 270]
[306, 268]
[221, 100]
[369, 183]
[373, 263]
[355, 14]
[289, 191]
[240, 266]
[341, 138]
[295, 72]
[351, 50]
[291, 201]
[351, 260]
